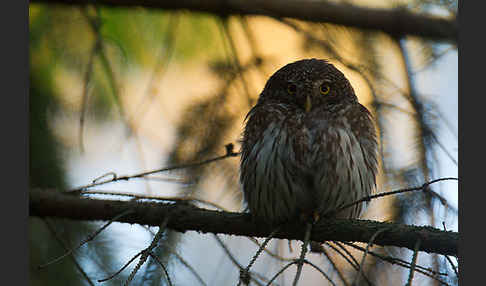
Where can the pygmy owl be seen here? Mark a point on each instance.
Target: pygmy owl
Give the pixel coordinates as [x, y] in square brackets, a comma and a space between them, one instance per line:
[309, 147]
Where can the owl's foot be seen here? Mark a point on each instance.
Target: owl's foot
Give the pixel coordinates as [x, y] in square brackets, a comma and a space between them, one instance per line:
[315, 246]
[312, 217]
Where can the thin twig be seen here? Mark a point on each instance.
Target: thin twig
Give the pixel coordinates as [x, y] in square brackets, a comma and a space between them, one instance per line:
[397, 261]
[95, 24]
[162, 266]
[280, 272]
[170, 180]
[274, 255]
[188, 266]
[87, 78]
[441, 146]
[303, 251]
[262, 247]
[351, 260]
[320, 270]
[235, 262]
[161, 198]
[448, 259]
[361, 265]
[354, 263]
[244, 274]
[66, 247]
[146, 252]
[414, 262]
[229, 153]
[122, 268]
[88, 238]
[447, 123]
[341, 276]
[182, 260]
[424, 187]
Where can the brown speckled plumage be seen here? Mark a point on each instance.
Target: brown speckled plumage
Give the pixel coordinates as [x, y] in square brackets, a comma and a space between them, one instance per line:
[308, 146]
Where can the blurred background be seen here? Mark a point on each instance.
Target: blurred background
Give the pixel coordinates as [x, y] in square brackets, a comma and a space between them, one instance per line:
[129, 90]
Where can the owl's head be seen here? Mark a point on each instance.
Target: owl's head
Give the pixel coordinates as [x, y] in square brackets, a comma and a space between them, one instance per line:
[309, 84]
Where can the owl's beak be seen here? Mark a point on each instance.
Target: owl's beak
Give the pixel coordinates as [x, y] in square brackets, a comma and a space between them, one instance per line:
[308, 103]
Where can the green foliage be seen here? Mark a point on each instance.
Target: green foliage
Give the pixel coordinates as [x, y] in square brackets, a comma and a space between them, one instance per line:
[142, 34]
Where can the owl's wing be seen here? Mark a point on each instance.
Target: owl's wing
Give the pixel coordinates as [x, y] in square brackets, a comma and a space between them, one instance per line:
[364, 130]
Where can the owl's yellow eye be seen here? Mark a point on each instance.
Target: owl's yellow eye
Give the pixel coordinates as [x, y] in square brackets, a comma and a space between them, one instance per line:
[324, 89]
[291, 88]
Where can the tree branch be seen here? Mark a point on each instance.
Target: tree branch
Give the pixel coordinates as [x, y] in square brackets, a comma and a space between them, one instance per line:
[184, 217]
[397, 22]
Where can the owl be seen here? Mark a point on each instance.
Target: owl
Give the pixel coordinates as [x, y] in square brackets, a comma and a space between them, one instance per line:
[308, 147]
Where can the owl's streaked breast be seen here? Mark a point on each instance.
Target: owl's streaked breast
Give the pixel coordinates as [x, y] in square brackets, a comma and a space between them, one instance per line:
[300, 166]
